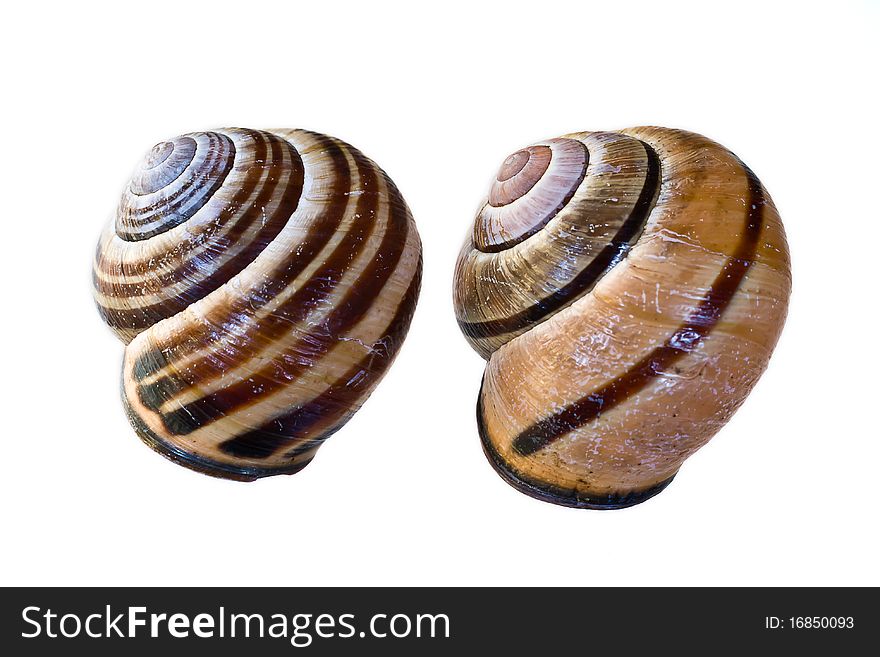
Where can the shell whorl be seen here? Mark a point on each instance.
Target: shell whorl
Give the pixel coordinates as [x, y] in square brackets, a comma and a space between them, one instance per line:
[173, 182]
[532, 185]
[625, 329]
[584, 224]
[263, 281]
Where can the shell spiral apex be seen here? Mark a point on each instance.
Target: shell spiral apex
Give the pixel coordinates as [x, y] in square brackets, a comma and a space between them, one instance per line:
[627, 289]
[263, 282]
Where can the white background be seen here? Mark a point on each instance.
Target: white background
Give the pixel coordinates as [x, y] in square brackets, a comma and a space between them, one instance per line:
[787, 493]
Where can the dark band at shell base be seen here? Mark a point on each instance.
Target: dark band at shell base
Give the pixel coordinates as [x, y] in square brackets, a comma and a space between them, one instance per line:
[263, 282]
[626, 325]
[548, 492]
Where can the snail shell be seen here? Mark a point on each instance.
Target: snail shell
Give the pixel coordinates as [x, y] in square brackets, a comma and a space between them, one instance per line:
[263, 282]
[627, 289]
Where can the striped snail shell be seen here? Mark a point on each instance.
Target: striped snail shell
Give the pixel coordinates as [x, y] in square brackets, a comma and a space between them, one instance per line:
[263, 281]
[627, 289]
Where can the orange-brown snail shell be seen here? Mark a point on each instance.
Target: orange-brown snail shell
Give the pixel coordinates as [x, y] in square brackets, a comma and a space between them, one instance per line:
[627, 289]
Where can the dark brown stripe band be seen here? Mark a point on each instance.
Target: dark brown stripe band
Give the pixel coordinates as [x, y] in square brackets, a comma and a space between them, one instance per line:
[683, 341]
[346, 313]
[330, 408]
[605, 260]
[217, 152]
[155, 360]
[312, 294]
[202, 464]
[176, 209]
[507, 244]
[146, 316]
[162, 171]
[306, 298]
[552, 493]
[190, 270]
[145, 266]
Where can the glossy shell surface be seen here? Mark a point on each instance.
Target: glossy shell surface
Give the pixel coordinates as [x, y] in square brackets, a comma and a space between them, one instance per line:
[263, 282]
[627, 289]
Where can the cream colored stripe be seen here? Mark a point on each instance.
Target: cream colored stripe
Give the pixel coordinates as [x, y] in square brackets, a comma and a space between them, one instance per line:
[316, 195]
[494, 274]
[544, 193]
[324, 373]
[298, 330]
[314, 381]
[207, 214]
[154, 249]
[135, 201]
